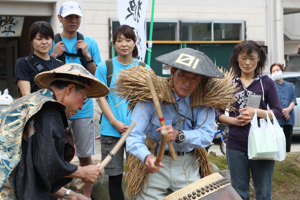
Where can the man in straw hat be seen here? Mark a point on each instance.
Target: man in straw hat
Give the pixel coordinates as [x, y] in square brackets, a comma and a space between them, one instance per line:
[34, 146]
[189, 125]
[70, 46]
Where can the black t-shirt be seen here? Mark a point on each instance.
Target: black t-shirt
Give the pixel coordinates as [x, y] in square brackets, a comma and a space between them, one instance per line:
[26, 71]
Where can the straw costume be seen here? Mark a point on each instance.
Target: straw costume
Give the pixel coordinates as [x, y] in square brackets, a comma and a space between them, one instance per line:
[34, 149]
[215, 90]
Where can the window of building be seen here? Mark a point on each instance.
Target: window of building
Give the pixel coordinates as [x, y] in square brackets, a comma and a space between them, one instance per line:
[294, 61]
[193, 31]
[228, 31]
[212, 31]
[114, 24]
[196, 31]
[215, 38]
[163, 30]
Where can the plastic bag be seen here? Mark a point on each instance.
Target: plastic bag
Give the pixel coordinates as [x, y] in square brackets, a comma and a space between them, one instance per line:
[5, 98]
[281, 141]
[262, 141]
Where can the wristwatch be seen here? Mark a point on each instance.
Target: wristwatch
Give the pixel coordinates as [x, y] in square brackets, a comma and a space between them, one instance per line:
[67, 194]
[90, 61]
[180, 137]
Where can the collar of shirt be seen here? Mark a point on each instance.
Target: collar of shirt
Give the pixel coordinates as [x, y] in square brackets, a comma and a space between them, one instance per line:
[54, 96]
[187, 99]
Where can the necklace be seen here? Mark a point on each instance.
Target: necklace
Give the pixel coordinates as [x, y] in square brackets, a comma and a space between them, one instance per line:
[181, 120]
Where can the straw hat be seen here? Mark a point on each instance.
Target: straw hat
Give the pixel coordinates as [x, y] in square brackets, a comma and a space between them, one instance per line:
[192, 61]
[74, 73]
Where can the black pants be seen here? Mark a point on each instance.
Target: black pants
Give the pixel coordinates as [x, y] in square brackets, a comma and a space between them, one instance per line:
[288, 132]
[115, 187]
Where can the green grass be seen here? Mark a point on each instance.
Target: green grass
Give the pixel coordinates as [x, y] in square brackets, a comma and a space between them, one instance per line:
[219, 161]
[286, 176]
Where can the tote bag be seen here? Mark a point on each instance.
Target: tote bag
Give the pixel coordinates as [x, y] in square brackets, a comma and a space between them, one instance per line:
[262, 141]
[281, 141]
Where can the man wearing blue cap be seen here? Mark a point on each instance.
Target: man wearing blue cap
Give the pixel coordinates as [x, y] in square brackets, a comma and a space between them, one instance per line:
[72, 47]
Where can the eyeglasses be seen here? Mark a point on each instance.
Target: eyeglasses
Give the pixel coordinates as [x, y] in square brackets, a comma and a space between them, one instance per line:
[245, 58]
[86, 99]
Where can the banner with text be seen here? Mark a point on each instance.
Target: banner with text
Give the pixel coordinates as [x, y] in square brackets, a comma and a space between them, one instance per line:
[11, 26]
[132, 13]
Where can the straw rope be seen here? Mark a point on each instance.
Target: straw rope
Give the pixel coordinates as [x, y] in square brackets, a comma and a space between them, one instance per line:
[211, 92]
[135, 174]
[132, 87]
[204, 163]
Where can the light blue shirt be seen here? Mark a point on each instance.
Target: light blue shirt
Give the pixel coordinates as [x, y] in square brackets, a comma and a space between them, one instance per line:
[195, 137]
[287, 95]
[117, 105]
[70, 44]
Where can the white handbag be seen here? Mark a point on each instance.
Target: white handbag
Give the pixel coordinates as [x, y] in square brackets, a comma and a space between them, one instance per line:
[266, 142]
[281, 141]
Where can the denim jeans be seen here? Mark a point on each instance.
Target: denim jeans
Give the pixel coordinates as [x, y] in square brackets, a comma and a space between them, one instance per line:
[240, 167]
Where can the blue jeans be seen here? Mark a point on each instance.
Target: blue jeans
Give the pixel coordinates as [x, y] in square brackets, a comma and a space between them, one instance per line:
[261, 170]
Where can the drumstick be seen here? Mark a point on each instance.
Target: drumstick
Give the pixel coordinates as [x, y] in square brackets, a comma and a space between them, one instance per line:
[163, 143]
[112, 152]
[159, 112]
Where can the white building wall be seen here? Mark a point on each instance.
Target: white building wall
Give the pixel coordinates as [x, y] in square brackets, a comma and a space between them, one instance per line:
[96, 14]
[291, 26]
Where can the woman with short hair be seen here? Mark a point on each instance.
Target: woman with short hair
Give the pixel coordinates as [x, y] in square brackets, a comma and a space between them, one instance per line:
[115, 119]
[287, 97]
[41, 37]
[248, 61]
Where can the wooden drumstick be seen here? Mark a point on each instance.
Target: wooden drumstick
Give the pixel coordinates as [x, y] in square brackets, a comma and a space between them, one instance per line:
[112, 152]
[163, 143]
[159, 112]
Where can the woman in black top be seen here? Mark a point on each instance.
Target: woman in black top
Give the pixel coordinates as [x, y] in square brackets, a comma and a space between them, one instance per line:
[41, 37]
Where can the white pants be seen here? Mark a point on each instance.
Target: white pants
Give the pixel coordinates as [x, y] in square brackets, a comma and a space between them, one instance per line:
[176, 175]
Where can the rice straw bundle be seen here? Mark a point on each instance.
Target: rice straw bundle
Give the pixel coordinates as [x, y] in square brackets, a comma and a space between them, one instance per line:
[136, 174]
[211, 92]
[204, 163]
[131, 85]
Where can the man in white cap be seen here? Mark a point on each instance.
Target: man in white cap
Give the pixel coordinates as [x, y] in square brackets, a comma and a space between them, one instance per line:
[34, 149]
[72, 47]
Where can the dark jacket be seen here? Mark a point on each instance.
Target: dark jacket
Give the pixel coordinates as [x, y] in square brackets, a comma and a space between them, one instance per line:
[262, 85]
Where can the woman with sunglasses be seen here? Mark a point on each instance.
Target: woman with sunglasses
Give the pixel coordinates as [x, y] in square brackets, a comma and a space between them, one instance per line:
[248, 61]
[41, 37]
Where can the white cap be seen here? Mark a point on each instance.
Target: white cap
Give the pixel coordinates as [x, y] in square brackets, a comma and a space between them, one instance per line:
[70, 8]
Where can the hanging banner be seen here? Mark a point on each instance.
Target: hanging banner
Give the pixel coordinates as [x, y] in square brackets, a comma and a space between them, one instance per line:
[132, 13]
[11, 26]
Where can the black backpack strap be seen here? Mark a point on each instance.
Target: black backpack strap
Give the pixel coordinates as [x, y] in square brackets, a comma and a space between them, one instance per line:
[57, 38]
[36, 64]
[79, 36]
[79, 52]
[109, 67]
